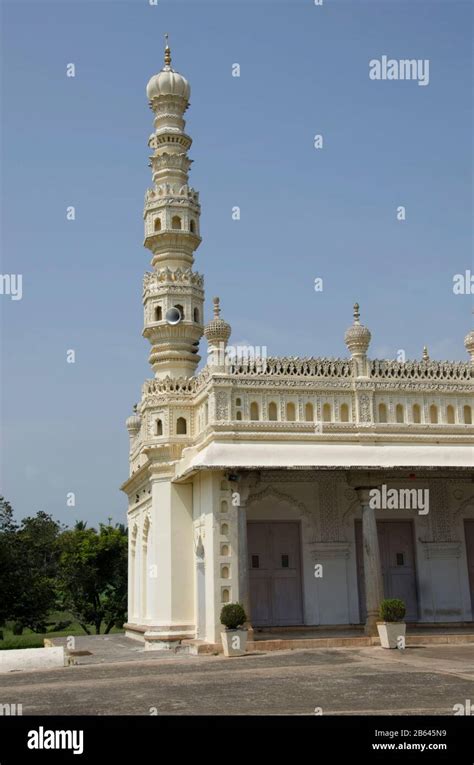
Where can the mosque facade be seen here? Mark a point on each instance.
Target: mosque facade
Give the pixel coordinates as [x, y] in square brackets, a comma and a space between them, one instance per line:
[305, 488]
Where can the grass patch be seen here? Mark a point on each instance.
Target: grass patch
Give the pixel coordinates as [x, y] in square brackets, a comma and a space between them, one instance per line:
[21, 641]
[30, 639]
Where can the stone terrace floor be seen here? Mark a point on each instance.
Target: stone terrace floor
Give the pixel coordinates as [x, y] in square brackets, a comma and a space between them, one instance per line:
[119, 677]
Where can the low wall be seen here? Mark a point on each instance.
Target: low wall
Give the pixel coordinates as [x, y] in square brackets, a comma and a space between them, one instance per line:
[31, 658]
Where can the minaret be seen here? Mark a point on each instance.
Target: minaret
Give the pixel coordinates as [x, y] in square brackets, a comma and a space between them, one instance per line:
[173, 293]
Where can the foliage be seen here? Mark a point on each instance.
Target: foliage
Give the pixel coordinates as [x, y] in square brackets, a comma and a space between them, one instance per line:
[93, 575]
[28, 568]
[8, 576]
[233, 616]
[392, 610]
[60, 626]
[25, 639]
[45, 566]
[22, 641]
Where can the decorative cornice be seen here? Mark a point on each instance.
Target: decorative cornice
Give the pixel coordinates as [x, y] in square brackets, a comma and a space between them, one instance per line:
[449, 371]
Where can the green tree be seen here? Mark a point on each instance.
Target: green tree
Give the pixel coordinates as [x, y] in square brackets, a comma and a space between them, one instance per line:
[28, 568]
[8, 561]
[93, 575]
[37, 570]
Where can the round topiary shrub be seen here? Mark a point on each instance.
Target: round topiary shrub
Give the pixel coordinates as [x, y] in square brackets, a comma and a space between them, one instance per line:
[392, 610]
[233, 616]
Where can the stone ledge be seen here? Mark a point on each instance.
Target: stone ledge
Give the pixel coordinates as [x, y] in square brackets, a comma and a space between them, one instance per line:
[29, 659]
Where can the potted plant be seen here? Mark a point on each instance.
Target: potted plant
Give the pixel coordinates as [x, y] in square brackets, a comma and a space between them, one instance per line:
[234, 638]
[392, 625]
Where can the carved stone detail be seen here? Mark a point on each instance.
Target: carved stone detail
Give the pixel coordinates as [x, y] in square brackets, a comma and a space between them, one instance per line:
[329, 509]
[222, 406]
[440, 518]
[307, 516]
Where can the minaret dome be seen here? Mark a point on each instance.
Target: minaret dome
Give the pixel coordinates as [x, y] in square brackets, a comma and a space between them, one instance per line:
[167, 82]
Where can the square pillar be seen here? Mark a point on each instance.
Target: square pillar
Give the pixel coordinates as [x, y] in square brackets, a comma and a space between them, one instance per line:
[372, 567]
[169, 575]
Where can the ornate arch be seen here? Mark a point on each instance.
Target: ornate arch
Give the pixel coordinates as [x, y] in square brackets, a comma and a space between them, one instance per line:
[463, 505]
[349, 513]
[272, 493]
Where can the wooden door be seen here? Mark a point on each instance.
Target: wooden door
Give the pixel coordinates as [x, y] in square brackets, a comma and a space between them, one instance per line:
[397, 559]
[469, 535]
[274, 573]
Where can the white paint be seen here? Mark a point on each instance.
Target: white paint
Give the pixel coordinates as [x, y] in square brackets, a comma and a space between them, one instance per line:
[29, 659]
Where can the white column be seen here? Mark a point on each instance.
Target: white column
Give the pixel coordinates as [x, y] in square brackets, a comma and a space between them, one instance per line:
[372, 568]
[170, 548]
[137, 577]
[131, 575]
[243, 560]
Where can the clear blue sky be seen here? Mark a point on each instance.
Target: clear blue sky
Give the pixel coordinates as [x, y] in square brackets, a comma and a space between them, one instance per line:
[304, 213]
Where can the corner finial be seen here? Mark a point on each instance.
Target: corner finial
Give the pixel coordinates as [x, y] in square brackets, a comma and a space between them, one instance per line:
[217, 309]
[167, 51]
[356, 313]
[426, 356]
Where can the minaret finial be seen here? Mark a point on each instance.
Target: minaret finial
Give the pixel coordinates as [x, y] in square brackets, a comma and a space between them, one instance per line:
[167, 51]
[356, 313]
[217, 309]
[426, 356]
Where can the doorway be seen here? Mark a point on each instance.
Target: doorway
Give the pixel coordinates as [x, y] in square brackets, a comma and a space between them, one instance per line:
[397, 559]
[274, 550]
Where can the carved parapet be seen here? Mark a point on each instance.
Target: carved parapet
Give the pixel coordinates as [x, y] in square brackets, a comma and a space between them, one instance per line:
[166, 190]
[443, 371]
[154, 280]
[170, 385]
[293, 366]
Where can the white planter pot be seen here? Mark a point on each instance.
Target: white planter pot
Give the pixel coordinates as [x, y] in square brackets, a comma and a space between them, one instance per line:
[389, 632]
[234, 642]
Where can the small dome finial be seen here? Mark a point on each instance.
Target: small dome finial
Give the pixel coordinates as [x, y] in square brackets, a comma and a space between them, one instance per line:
[357, 337]
[217, 333]
[167, 51]
[469, 344]
[426, 355]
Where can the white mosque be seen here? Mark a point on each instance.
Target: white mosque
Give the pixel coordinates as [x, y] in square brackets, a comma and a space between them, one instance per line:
[252, 481]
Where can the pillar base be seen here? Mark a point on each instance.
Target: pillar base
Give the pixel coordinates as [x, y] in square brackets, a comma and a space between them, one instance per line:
[160, 637]
[371, 625]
